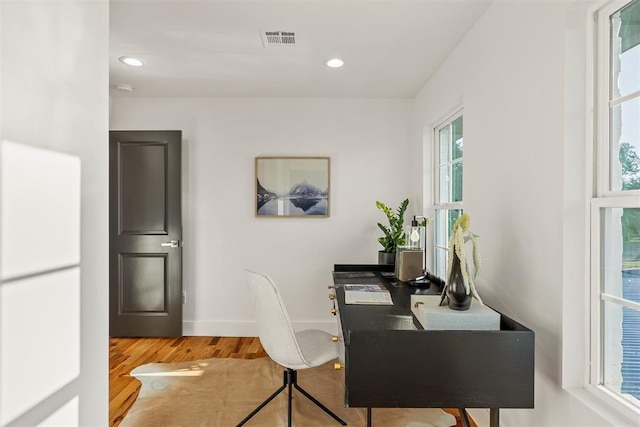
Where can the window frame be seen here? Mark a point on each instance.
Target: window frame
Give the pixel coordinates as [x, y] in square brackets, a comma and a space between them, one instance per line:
[448, 205]
[602, 83]
[603, 197]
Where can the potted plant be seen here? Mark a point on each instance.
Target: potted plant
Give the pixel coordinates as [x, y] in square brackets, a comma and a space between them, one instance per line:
[460, 286]
[394, 234]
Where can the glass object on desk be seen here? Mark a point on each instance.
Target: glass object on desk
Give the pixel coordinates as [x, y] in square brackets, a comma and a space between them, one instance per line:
[414, 236]
[416, 233]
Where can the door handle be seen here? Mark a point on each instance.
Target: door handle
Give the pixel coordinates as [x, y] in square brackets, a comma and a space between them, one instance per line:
[172, 244]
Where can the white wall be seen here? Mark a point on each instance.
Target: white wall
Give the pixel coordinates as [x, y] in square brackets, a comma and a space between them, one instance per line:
[54, 95]
[368, 143]
[509, 75]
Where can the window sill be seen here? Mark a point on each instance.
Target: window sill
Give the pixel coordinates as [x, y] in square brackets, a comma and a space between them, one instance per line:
[615, 412]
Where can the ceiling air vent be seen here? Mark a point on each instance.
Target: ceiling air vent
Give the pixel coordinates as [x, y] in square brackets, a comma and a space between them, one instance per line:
[278, 38]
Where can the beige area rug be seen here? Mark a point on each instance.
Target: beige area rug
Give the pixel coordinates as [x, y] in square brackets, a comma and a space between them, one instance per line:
[221, 392]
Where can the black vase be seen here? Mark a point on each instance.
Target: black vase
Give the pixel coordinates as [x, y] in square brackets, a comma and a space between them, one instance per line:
[456, 294]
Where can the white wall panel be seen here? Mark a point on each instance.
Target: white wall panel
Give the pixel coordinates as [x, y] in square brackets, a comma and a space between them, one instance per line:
[67, 415]
[39, 339]
[54, 95]
[40, 209]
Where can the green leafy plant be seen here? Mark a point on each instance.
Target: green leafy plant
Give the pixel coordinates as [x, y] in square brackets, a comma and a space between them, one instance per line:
[394, 233]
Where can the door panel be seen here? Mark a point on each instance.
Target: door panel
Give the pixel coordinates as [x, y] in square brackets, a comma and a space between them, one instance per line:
[145, 216]
[142, 171]
[143, 283]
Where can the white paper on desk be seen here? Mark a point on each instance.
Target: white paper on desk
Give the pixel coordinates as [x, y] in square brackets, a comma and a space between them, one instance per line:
[375, 294]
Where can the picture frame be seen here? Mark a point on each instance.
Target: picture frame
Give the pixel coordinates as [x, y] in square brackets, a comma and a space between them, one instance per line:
[292, 187]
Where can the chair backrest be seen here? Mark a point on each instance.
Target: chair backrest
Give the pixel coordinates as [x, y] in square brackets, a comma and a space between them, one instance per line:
[274, 327]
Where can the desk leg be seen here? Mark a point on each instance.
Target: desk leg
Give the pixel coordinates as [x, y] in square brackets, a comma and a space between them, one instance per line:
[464, 417]
[368, 417]
[494, 417]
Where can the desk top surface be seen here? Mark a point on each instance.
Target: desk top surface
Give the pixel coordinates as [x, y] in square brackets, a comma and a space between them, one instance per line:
[398, 316]
[379, 317]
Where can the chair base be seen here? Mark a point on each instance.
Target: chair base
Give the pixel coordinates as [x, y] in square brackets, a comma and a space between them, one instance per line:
[290, 379]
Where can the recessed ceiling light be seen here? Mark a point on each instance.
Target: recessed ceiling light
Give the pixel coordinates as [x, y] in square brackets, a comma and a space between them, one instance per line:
[335, 63]
[130, 60]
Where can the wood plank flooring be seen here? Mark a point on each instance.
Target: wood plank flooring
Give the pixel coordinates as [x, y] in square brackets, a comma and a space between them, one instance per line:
[125, 354]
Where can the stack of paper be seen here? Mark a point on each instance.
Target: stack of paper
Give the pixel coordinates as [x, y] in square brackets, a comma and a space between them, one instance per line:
[374, 293]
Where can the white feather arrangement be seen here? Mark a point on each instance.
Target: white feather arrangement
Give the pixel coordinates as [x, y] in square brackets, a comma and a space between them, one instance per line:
[459, 236]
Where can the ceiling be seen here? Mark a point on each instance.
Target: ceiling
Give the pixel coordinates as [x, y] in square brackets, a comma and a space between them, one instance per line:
[210, 48]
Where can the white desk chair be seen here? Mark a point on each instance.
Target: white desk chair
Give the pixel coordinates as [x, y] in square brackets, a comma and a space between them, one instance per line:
[292, 350]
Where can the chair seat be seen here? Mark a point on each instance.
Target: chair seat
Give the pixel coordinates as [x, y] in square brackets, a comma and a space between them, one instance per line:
[317, 346]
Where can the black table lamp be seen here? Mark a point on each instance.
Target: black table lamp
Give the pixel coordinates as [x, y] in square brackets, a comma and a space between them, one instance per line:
[414, 236]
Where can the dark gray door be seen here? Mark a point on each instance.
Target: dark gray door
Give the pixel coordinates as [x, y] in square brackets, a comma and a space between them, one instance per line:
[145, 234]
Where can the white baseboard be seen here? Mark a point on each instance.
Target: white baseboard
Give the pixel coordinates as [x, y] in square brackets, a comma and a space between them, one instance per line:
[222, 328]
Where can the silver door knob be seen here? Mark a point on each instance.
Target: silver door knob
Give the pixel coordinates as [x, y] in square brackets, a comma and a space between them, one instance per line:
[172, 244]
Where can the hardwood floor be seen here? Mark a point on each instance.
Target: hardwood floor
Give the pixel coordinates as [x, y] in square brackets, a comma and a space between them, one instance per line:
[127, 353]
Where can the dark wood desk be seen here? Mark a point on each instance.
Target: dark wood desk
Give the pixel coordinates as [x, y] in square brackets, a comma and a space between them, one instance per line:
[391, 362]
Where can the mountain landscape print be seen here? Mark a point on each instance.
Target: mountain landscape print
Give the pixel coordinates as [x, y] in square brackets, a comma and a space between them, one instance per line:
[292, 186]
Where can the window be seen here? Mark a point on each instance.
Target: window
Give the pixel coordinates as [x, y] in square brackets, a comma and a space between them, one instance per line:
[448, 186]
[615, 207]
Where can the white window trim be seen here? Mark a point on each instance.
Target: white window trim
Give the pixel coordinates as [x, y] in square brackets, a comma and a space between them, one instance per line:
[601, 101]
[594, 375]
[608, 404]
[437, 205]
[579, 189]
[458, 112]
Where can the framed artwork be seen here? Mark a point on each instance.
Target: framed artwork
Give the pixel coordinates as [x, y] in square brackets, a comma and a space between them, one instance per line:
[292, 187]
